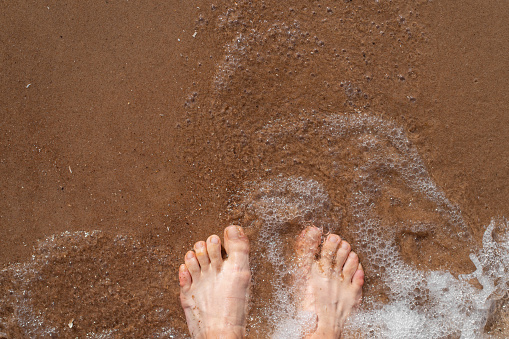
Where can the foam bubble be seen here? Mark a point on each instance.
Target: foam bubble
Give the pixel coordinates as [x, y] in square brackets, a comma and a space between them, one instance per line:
[279, 205]
[389, 195]
[80, 284]
[447, 305]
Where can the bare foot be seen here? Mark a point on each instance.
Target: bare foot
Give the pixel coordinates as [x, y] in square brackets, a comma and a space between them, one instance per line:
[332, 285]
[214, 292]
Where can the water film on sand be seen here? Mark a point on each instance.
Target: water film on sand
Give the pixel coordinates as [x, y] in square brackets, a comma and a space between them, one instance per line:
[304, 113]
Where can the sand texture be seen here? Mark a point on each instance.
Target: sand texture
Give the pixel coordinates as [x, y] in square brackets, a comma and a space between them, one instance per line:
[132, 129]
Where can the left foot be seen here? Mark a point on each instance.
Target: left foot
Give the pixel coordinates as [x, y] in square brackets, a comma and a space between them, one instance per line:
[214, 292]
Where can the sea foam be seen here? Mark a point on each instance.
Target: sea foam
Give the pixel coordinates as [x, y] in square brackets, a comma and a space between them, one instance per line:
[419, 303]
[83, 283]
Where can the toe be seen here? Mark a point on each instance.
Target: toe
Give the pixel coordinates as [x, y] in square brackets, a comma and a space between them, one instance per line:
[350, 267]
[185, 279]
[306, 246]
[329, 249]
[341, 255]
[192, 265]
[214, 251]
[236, 245]
[358, 277]
[200, 248]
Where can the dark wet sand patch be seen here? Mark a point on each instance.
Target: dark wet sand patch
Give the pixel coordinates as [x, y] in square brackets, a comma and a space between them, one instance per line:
[102, 129]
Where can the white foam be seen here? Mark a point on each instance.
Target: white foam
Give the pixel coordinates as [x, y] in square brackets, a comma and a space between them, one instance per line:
[71, 270]
[420, 305]
[277, 203]
[452, 306]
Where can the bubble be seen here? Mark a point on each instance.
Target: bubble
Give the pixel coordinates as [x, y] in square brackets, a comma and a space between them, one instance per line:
[391, 201]
[88, 279]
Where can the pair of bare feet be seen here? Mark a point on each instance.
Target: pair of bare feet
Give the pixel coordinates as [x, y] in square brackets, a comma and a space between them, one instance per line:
[214, 291]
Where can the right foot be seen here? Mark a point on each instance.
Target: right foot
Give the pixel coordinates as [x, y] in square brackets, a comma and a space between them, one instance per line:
[332, 285]
[214, 292]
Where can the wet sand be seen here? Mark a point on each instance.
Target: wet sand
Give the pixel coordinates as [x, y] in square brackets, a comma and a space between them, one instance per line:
[145, 121]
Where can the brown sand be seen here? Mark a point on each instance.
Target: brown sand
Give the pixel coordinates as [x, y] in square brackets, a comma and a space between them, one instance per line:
[112, 121]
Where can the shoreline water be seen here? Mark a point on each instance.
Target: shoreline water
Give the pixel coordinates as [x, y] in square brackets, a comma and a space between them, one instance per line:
[148, 125]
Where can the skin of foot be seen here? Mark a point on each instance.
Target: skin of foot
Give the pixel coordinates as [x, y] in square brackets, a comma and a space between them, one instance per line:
[214, 291]
[331, 285]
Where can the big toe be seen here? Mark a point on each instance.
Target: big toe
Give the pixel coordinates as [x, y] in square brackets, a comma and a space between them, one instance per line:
[307, 245]
[328, 252]
[236, 245]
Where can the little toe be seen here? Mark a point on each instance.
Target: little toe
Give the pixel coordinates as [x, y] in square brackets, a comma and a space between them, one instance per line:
[350, 267]
[200, 249]
[329, 249]
[192, 265]
[214, 251]
[185, 279]
[358, 277]
[341, 255]
[236, 245]
[306, 246]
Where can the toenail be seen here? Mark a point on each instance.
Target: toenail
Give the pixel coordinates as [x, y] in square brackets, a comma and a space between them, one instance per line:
[214, 240]
[344, 245]
[190, 255]
[233, 232]
[334, 238]
[199, 245]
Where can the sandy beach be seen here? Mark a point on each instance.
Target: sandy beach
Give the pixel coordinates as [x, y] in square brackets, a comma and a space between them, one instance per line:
[131, 130]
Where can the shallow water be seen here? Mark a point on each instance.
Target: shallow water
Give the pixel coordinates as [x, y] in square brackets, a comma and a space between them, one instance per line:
[93, 285]
[302, 119]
